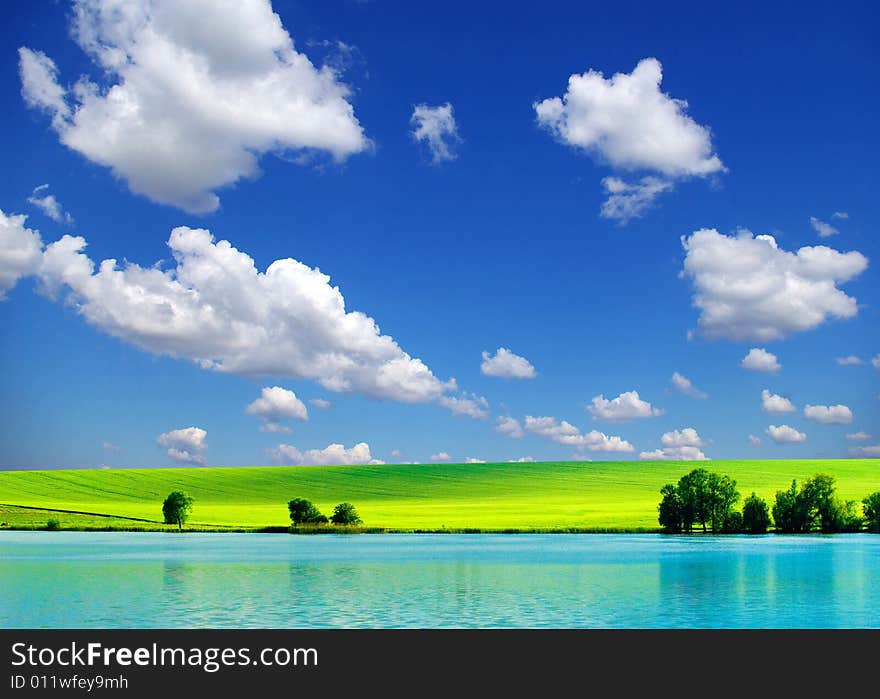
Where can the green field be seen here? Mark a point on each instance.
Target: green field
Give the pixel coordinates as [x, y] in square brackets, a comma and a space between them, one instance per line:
[525, 496]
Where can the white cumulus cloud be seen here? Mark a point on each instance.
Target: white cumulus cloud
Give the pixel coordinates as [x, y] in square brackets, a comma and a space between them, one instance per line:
[686, 386]
[754, 441]
[321, 403]
[774, 403]
[20, 251]
[875, 362]
[851, 360]
[748, 288]
[567, 434]
[870, 452]
[472, 460]
[506, 364]
[627, 406]
[509, 426]
[678, 445]
[858, 436]
[440, 456]
[468, 404]
[331, 455]
[829, 414]
[436, 127]
[274, 405]
[190, 95]
[759, 359]
[216, 308]
[186, 445]
[783, 434]
[629, 123]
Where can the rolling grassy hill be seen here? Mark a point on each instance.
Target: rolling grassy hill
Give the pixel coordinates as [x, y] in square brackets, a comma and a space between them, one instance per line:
[590, 495]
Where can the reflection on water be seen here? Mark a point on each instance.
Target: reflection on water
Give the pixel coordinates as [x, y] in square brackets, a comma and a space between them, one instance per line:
[126, 580]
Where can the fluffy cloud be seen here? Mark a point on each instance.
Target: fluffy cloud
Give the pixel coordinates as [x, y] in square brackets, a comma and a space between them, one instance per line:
[436, 127]
[509, 426]
[191, 95]
[829, 414]
[627, 406]
[747, 288]
[840, 214]
[783, 434]
[567, 434]
[20, 251]
[440, 456]
[759, 359]
[825, 230]
[471, 405]
[276, 404]
[684, 385]
[505, 364]
[629, 200]
[522, 460]
[472, 460]
[754, 441]
[49, 204]
[875, 362]
[321, 403]
[774, 403]
[870, 452]
[331, 455]
[216, 308]
[678, 445]
[851, 360]
[186, 445]
[858, 437]
[627, 122]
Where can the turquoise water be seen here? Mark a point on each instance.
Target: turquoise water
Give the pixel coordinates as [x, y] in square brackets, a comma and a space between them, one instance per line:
[134, 580]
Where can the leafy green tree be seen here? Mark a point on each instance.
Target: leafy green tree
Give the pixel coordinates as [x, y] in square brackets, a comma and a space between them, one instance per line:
[303, 511]
[732, 522]
[721, 496]
[344, 513]
[756, 515]
[871, 509]
[818, 498]
[176, 508]
[791, 511]
[693, 491]
[670, 510]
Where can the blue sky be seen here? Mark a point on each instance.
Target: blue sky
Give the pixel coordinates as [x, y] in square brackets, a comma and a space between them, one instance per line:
[487, 233]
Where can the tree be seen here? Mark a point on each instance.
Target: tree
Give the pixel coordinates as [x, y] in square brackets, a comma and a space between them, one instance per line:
[871, 509]
[756, 515]
[303, 511]
[344, 513]
[670, 510]
[721, 496]
[693, 491]
[791, 511]
[176, 508]
[700, 497]
[818, 494]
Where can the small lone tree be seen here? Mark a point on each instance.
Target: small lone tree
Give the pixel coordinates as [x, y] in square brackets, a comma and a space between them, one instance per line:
[755, 515]
[176, 508]
[344, 513]
[871, 509]
[303, 511]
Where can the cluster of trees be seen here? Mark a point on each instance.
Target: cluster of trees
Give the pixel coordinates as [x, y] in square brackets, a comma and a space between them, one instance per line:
[708, 500]
[304, 511]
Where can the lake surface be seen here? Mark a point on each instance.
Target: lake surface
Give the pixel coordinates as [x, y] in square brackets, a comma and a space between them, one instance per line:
[151, 580]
